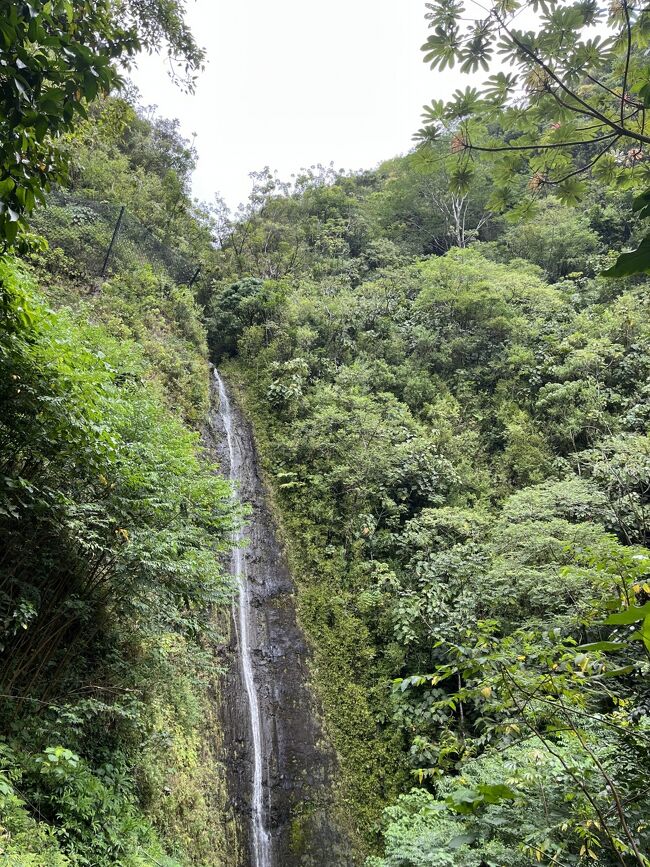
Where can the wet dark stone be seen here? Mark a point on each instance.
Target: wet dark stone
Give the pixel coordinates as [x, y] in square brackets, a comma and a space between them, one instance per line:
[300, 764]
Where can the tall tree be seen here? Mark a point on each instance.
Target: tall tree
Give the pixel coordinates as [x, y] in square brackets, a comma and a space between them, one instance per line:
[56, 57]
[573, 101]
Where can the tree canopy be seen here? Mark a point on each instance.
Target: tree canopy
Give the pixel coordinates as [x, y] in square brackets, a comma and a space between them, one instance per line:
[457, 440]
[572, 102]
[57, 57]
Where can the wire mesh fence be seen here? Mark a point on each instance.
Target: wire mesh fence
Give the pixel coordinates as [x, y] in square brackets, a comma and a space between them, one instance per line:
[103, 238]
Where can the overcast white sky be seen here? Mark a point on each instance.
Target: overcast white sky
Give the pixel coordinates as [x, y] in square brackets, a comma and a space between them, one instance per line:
[293, 83]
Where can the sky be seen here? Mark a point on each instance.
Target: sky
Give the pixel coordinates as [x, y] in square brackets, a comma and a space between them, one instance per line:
[293, 83]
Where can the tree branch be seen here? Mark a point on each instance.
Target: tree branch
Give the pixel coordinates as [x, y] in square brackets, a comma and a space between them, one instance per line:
[589, 109]
[584, 168]
[535, 147]
[628, 52]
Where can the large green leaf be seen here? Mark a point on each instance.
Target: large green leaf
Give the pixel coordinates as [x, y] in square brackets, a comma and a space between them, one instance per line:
[630, 615]
[602, 646]
[466, 800]
[641, 204]
[635, 262]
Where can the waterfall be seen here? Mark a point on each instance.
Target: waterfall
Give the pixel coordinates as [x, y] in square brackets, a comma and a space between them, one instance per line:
[260, 838]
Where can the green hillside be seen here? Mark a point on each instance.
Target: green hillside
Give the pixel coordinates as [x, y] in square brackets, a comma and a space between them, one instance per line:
[445, 360]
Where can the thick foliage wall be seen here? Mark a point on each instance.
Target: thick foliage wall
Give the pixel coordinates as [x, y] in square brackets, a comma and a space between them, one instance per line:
[113, 523]
[112, 527]
[460, 457]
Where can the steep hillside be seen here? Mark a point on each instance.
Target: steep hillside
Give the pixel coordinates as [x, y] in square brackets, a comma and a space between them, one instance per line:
[433, 389]
[114, 521]
[459, 451]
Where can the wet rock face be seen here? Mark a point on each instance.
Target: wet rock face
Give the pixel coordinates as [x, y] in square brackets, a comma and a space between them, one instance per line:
[298, 762]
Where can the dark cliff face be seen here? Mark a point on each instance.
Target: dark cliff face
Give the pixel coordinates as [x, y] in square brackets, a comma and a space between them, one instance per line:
[299, 764]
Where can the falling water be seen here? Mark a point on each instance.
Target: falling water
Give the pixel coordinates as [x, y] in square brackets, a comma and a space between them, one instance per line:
[261, 842]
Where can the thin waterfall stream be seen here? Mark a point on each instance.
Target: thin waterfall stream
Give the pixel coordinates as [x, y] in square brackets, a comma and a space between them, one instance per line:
[261, 841]
[280, 766]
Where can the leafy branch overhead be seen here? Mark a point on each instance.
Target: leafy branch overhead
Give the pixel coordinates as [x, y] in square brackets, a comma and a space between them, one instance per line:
[566, 96]
[56, 57]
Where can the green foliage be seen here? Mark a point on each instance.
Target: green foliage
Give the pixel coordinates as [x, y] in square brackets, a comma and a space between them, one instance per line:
[123, 155]
[101, 826]
[237, 306]
[420, 207]
[573, 105]
[458, 451]
[558, 239]
[112, 525]
[165, 322]
[570, 706]
[123, 512]
[58, 56]
[458, 447]
[637, 261]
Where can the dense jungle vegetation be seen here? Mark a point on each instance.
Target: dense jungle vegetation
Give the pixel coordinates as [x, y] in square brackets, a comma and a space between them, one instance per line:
[451, 402]
[113, 518]
[459, 450]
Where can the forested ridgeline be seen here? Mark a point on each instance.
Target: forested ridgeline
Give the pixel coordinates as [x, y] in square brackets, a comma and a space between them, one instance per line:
[453, 412]
[113, 523]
